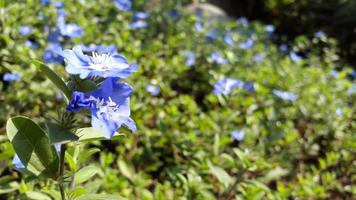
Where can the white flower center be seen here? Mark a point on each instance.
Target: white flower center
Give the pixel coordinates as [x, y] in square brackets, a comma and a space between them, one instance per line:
[100, 61]
[107, 109]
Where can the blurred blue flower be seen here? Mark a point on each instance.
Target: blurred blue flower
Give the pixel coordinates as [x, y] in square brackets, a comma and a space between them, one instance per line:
[102, 65]
[109, 49]
[228, 39]
[139, 24]
[152, 89]
[190, 59]
[50, 55]
[270, 28]
[247, 45]
[61, 12]
[199, 23]
[45, 2]
[243, 21]
[258, 58]
[352, 90]
[25, 30]
[283, 47]
[17, 162]
[54, 36]
[295, 57]
[319, 34]
[339, 111]
[211, 36]
[124, 5]
[285, 95]
[249, 86]
[59, 4]
[141, 15]
[238, 135]
[353, 74]
[31, 44]
[174, 14]
[334, 73]
[226, 86]
[218, 59]
[109, 106]
[69, 30]
[10, 77]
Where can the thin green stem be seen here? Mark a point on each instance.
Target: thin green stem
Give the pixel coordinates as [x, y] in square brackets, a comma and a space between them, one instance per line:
[61, 170]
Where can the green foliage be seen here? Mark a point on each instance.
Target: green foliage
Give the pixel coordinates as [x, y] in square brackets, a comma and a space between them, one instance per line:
[183, 148]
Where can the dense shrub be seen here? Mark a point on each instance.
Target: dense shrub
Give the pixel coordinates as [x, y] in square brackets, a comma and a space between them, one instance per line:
[285, 130]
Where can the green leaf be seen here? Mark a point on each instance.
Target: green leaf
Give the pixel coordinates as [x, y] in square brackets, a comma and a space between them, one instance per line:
[125, 169]
[84, 85]
[221, 175]
[85, 174]
[100, 197]
[56, 80]
[92, 134]
[33, 147]
[37, 196]
[59, 135]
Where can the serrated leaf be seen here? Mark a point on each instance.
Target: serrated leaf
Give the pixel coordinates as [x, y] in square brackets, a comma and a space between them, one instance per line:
[85, 174]
[56, 80]
[33, 147]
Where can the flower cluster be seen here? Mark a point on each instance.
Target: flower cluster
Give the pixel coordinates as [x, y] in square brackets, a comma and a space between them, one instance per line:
[109, 104]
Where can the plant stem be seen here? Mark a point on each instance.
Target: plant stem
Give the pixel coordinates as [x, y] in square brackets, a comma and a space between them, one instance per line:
[61, 170]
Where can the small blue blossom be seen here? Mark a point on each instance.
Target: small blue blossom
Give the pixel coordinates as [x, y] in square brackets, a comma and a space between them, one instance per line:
[283, 47]
[270, 28]
[249, 86]
[45, 2]
[339, 111]
[141, 15]
[238, 135]
[295, 57]
[243, 21]
[17, 162]
[61, 12]
[285, 95]
[69, 30]
[54, 36]
[258, 58]
[199, 23]
[10, 77]
[174, 14]
[218, 59]
[109, 106]
[152, 89]
[211, 36]
[59, 4]
[190, 59]
[247, 45]
[102, 65]
[226, 86]
[319, 34]
[228, 39]
[334, 73]
[25, 30]
[109, 49]
[124, 5]
[50, 55]
[353, 74]
[31, 44]
[139, 20]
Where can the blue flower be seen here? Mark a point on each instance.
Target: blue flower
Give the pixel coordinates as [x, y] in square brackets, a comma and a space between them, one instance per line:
[174, 14]
[285, 95]
[211, 36]
[249, 86]
[31, 44]
[334, 73]
[258, 58]
[283, 47]
[102, 65]
[238, 135]
[228, 39]
[50, 55]
[17, 162]
[25, 30]
[59, 4]
[70, 30]
[243, 21]
[45, 2]
[139, 20]
[319, 34]
[190, 59]
[152, 89]
[10, 77]
[247, 45]
[109, 106]
[295, 57]
[199, 23]
[141, 15]
[218, 59]
[270, 28]
[124, 5]
[109, 49]
[339, 111]
[226, 86]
